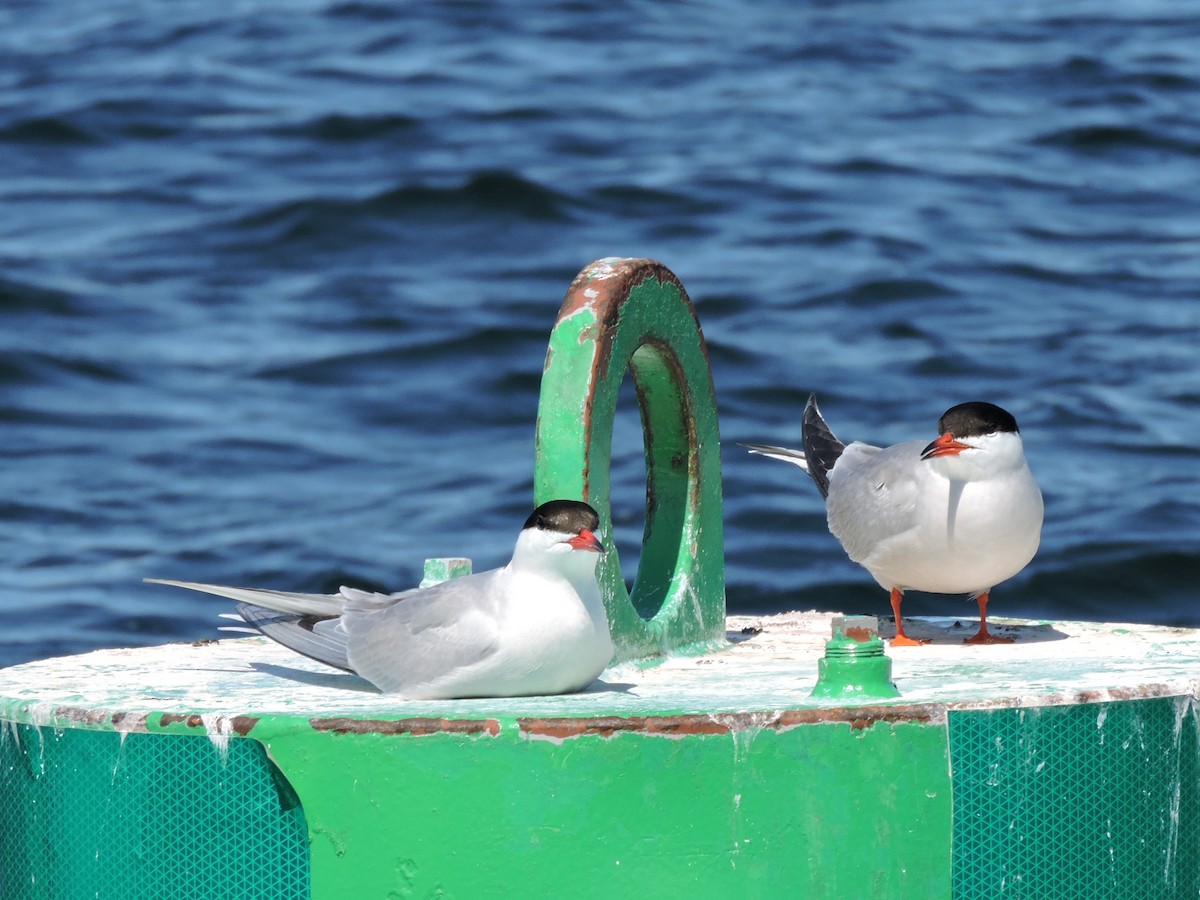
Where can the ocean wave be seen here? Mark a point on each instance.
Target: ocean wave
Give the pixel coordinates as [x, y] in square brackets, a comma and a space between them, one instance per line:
[343, 128]
[368, 12]
[336, 222]
[52, 131]
[885, 291]
[1104, 139]
[19, 297]
[357, 367]
[495, 193]
[630, 201]
[51, 367]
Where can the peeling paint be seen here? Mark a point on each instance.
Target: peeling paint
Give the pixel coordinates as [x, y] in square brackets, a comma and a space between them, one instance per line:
[211, 722]
[416, 727]
[689, 725]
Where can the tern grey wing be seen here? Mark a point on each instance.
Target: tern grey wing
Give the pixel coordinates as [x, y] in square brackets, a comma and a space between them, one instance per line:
[431, 634]
[281, 601]
[302, 634]
[367, 603]
[872, 497]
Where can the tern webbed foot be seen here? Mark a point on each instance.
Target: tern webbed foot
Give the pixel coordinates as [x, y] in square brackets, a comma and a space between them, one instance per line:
[983, 636]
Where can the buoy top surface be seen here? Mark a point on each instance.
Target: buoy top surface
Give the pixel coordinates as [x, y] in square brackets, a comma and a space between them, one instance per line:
[768, 669]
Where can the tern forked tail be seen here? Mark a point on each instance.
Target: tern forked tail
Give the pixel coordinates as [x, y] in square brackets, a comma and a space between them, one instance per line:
[821, 448]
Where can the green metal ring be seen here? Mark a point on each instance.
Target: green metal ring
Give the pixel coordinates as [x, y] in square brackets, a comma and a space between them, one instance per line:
[634, 314]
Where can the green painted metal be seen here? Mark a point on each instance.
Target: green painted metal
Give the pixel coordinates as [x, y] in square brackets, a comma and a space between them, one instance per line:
[634, 314]
[747, 813]
[854, 670]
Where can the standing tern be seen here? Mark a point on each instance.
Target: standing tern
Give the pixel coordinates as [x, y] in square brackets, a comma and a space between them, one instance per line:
[534, 626]
[957, 515]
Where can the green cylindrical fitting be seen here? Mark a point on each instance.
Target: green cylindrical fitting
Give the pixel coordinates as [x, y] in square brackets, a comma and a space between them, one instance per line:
[853, 668]
[444, 568]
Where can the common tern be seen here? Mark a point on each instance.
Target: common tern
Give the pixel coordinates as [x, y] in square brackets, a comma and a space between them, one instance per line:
[534, 626]
[956, 515]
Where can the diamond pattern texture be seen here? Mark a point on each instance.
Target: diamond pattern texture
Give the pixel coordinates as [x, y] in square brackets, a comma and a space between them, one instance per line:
[1089, 801]
[98, 814]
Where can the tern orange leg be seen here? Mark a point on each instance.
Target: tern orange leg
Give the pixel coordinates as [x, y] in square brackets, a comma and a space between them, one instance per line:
[901, 639]
[983, 636]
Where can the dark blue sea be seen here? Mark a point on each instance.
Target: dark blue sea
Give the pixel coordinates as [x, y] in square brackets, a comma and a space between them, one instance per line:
[276, 281]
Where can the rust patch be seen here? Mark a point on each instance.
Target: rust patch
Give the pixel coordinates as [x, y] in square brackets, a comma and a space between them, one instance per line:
[597, 278]
[417, 726]
[607, 726]
[131, 722]
[191, 721]
[690, 725]
[604, 287]
[239, 725]
[862, 635]
[243, 725]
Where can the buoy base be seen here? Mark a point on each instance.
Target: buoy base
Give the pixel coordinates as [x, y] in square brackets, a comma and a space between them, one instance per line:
[718, 772]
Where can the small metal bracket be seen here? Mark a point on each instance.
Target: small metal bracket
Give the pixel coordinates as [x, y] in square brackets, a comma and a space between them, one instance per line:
[634, 314]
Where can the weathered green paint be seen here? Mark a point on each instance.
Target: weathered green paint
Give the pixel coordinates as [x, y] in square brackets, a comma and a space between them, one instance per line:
[634, 314]
[853, 669]
[742, 812]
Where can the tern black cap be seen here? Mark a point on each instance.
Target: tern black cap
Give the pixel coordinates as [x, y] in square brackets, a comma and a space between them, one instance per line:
[975, 419]
[564, 516]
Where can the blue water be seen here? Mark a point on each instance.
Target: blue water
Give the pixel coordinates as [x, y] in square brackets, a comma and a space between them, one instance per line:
[276, 281]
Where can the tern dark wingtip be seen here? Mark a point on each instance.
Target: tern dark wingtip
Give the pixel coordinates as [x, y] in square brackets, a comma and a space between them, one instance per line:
[821, 448]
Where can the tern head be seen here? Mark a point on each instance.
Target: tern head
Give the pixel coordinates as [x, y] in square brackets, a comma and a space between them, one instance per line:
[975, 440]
[561, 530]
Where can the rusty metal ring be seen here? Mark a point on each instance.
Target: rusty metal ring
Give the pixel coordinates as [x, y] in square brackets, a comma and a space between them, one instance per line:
[634, 314]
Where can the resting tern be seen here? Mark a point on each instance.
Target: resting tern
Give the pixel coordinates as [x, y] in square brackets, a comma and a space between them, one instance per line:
[534, 626]
[955, 515]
